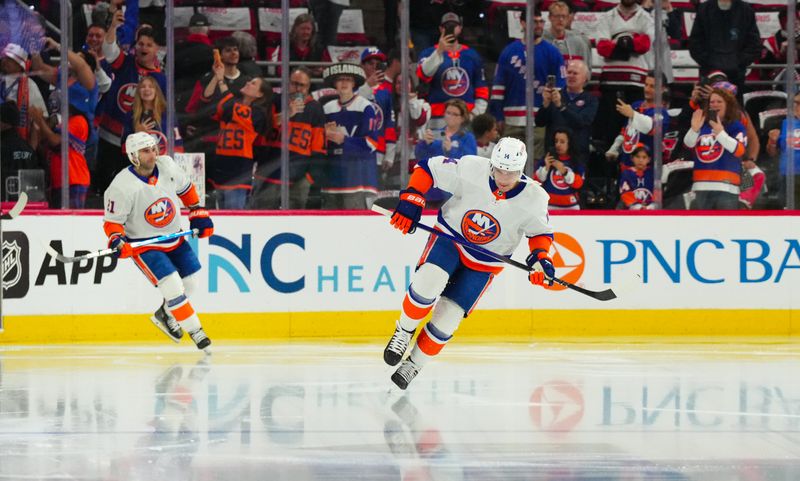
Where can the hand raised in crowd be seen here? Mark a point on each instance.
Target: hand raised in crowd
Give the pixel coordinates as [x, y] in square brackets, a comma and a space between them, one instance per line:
[698, 119]
[376, 78]
[547, 97]
[296, 106]
[701, 92]
[774, 135]
[219, 72]
[333, 133]
[612, 155]
[625, 109]
[560, 166]
[716, 126]
[117, 20]
[556, 95]
[549, 160]
[447, 144]
[148, 124]
[446, 42]
[428, 136]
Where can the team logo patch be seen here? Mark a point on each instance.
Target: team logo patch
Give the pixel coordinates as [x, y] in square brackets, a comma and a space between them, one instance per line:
[161, 141]
[160, 213]
[796, 139]
[630, 138]
[558, 180]
[708, 149]
[125, 97]
[455, 81]
[479, 227]
[378, 116]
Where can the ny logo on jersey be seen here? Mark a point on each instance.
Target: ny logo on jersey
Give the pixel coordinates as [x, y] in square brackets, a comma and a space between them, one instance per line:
[479, 227]
[160, 213]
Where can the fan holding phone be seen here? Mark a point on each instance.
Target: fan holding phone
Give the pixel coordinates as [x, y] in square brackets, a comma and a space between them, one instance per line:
[718, 140]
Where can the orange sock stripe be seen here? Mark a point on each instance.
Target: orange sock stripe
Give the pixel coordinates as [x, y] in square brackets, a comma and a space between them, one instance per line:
[428, 344]
[183, 312]
[414, 310]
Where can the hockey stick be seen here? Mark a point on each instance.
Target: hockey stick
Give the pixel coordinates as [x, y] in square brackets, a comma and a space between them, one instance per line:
[605, 295]
[67, 260]
[22, 201]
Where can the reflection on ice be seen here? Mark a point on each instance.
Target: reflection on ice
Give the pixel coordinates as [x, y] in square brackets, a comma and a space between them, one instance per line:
[509, 412]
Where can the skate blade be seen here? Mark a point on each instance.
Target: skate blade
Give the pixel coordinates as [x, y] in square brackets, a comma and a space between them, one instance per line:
[164, 329]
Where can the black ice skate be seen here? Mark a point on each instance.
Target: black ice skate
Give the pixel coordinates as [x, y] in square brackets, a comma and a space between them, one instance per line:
[200, 339]
[404, 374]
[398, 345]
[167, 324]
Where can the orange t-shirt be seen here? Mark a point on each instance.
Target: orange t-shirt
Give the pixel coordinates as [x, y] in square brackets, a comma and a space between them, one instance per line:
[78, 170]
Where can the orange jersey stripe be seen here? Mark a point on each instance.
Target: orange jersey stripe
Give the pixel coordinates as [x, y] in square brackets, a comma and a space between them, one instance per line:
[716, 176]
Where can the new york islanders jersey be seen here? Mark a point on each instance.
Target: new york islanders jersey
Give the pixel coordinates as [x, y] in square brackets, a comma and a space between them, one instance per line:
[636, 187]
[477, 212]
[641, 128]
[459, 75]
[118, 101]
[148, 207]
[352, 165]
[715, 167]
[564, 189]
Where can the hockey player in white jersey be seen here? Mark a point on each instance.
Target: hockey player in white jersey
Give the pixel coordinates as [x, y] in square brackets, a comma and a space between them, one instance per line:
[493, 205]
[142, 203]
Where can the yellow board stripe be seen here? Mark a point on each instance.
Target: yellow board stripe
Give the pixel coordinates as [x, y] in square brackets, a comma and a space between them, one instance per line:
[518, 324]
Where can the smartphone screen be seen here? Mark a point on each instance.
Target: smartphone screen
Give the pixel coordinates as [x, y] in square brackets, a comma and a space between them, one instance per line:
[712, 115]
[450, 29]
[551, 81]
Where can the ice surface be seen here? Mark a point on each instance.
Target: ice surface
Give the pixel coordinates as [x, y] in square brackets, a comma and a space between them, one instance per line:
[599, 411]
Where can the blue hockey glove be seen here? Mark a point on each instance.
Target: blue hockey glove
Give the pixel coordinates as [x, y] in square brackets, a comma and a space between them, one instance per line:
[543, 270]
[408, 210]
[200, 219]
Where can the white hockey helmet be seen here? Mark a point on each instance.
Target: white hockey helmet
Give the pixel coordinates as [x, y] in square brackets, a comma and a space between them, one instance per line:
[136, 142]
[509, 154]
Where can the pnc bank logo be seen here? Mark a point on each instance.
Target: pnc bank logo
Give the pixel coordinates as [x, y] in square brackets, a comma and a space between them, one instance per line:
[556, 406]
[568, 259]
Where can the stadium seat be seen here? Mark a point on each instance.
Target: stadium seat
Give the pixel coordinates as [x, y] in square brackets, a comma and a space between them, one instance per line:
[761, 101]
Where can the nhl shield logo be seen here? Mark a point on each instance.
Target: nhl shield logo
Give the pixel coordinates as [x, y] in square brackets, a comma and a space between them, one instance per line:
[15, 265]
[12, 265]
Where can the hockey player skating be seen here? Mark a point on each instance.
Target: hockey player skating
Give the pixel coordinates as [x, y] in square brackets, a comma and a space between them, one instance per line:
[141, 203]
[492, 205]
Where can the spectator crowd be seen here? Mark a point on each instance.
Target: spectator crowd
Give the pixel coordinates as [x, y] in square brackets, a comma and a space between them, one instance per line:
[726, 134]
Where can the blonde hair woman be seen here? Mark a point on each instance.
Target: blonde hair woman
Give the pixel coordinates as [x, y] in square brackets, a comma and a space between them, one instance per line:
[149, 114]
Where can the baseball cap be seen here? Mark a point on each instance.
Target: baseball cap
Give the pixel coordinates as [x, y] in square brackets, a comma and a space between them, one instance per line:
[199, 20]
[372, 52]
[16, 53]
[450, 17]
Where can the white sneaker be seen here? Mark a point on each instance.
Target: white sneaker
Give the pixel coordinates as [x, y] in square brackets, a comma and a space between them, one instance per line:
[167, 324]
[405, 373]
[200, 339]
[398, 345]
